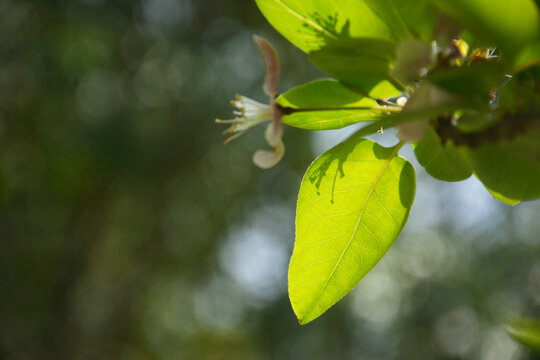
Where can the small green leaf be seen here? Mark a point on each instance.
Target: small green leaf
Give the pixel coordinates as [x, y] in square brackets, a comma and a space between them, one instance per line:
[324, 94]
[508, 25]
[363, 63]
[310, 24]
[510, 168]
[324, 105]
[444, 162]
[525, 331]
[353, 202]
[330, 119]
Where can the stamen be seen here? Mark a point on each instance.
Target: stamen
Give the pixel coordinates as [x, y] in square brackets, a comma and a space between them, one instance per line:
[248, 113]
[233, 121]
[229, 139]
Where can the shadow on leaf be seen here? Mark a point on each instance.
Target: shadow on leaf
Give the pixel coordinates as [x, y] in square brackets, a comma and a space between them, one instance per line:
[330, 26]
[340, 153]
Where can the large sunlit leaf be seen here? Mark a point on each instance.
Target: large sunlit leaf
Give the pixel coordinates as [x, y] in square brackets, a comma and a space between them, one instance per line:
[353, 202]
[442, 161]
[322, 103]
[508, 25]
[363, 63]
[511, 168]
[310, 24]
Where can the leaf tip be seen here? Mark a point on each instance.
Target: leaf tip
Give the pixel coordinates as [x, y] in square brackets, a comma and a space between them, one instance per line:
[303, 320]
[304, 317]
[299, 310]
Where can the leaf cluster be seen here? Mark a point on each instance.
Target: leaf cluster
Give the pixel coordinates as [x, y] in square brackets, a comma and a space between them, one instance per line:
[459, 79]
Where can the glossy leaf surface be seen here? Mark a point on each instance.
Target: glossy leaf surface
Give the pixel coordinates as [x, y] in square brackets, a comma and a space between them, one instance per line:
[310, 24]
[353, 202]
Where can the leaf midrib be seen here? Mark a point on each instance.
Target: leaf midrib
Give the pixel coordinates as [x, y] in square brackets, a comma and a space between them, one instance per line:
[401, 22]
[306, 20]
[358, 222]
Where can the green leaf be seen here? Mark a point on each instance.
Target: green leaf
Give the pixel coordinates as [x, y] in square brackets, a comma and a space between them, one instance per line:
[444, 162]
[353, 202]
[330, 119]
[407, 18]
[525, 331]
[324, 105]
[387, 10]
[508, 25]
[528, 57]
[510, 168]
[363, 63]
[471, 123]
[413, 59]
[474, 83]
[502, 198]
[310, 24]
[324, 94]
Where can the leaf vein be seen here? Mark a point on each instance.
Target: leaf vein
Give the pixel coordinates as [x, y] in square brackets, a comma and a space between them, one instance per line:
[357, 225]
[304, 19]
[385, 209]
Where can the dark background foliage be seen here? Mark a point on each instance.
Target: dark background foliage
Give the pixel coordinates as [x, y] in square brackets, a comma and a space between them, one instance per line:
[129, 232]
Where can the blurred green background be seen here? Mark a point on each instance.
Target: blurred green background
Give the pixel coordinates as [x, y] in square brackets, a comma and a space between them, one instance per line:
[129, 232]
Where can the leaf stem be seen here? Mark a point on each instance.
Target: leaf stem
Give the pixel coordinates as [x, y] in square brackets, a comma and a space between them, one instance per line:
[392, 120]
[398, 147]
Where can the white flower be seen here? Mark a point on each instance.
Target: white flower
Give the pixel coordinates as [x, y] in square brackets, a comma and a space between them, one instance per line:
[250, 112]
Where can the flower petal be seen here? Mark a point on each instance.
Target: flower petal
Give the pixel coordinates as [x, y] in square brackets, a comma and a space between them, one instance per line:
[274, 131]
[271, 61]
[265, 159]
